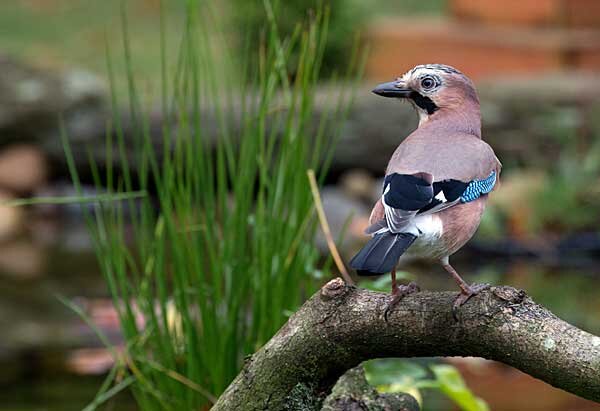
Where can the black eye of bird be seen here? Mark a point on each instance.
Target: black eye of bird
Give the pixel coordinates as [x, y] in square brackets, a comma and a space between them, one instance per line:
[427, 83]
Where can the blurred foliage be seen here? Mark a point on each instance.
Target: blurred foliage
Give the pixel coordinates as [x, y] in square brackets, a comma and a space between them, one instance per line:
[383, 283]
[561, 197]
[449, 381]
[63, 34]
[73, 33]
[492, 226]
[400, 375]
[570, 197]
[347, 22]
[347, 19]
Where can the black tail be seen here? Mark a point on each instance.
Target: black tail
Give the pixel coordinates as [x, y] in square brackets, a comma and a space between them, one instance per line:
[381, 253]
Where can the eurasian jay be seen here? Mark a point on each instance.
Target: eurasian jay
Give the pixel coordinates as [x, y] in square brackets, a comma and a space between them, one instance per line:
[436, 183]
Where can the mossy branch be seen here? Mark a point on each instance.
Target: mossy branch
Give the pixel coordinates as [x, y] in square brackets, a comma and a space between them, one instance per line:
[342, 326]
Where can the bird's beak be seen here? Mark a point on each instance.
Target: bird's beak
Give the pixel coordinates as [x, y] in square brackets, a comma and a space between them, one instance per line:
[392, 89]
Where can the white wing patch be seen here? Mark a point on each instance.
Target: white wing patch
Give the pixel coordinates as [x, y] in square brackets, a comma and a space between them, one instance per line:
[397, 219]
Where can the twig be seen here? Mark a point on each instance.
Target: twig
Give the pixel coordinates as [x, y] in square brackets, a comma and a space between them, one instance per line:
[325, 227]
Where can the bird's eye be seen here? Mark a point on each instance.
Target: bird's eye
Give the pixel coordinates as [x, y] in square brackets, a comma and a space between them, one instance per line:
[427, 83]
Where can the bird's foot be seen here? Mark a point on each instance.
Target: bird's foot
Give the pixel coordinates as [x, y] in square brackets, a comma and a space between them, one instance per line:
[465, 295]
[398, 294]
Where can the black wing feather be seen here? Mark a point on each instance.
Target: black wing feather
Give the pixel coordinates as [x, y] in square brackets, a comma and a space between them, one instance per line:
[381, 253]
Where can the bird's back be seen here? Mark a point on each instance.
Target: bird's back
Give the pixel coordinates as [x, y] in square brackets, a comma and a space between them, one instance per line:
[445, 155]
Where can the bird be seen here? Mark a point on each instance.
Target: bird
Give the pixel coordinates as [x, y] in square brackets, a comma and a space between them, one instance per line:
[436, 183]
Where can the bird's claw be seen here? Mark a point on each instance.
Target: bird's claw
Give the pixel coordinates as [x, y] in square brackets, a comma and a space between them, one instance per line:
[397, 295]
[463, 297]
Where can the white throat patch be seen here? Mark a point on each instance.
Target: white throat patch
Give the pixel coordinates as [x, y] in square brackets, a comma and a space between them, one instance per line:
[423, 115]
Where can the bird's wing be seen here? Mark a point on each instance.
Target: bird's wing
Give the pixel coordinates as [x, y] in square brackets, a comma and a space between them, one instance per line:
[470, 170]
[465, 176]
[403, 196]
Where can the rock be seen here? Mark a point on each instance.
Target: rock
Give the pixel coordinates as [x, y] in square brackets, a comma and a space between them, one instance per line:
[33, 99]
[22, 260]
[90, 361]
[10, 217]
[360, 184]
[353, 392]
[339, 207]
[23, 168]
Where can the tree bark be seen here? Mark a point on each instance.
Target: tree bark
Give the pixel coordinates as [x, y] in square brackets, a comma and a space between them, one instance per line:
[352, 392]
[342, 326]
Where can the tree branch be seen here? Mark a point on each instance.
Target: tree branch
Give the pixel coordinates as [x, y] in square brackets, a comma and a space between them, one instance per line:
[352, 392]
[342, 326]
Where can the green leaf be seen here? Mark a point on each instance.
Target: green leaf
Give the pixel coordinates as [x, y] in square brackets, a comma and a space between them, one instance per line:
[452, 384]
[384, 282]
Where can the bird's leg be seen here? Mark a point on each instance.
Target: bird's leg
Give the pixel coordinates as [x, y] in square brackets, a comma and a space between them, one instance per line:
[466, 291]
[398, 293]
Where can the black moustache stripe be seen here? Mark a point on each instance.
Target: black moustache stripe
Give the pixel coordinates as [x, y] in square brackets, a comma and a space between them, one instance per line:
[424, 102]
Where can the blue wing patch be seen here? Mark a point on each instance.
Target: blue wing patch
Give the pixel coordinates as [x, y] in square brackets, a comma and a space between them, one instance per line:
[477, 188]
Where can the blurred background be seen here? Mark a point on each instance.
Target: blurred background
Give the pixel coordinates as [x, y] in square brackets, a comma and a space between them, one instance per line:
[537, 68]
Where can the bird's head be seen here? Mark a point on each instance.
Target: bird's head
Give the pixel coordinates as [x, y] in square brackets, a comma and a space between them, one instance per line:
[432, 88]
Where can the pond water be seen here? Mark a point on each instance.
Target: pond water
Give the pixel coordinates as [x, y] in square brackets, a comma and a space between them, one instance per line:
[57, 392]
[41, 338]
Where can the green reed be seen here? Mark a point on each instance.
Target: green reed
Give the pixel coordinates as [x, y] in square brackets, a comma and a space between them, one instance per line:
[210, 259]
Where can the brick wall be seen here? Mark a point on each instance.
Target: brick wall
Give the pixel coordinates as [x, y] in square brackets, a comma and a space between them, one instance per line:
[486, 38]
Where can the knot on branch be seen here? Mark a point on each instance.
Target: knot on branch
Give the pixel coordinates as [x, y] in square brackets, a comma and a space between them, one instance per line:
[333, 289]
[353, 392]
[509, 294]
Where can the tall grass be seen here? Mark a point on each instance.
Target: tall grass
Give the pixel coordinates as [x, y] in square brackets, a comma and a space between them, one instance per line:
[208, 264]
